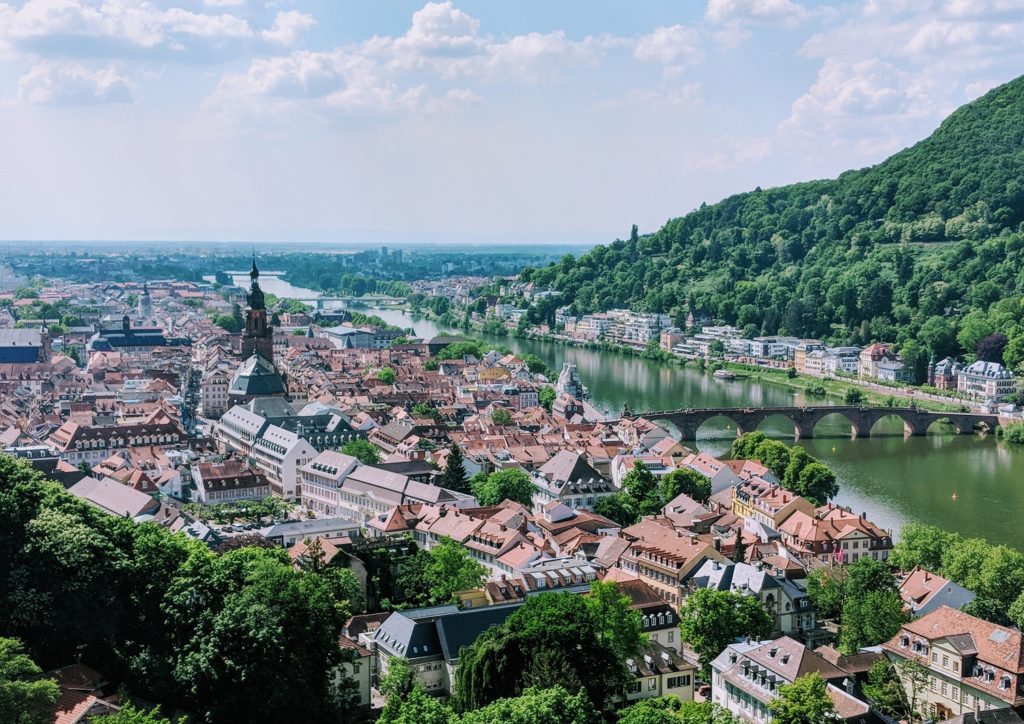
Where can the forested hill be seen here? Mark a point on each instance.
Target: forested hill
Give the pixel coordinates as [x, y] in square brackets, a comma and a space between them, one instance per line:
[924, 249]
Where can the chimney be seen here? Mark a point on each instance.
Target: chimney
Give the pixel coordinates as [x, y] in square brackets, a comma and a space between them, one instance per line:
[848, 685]
[718, 544]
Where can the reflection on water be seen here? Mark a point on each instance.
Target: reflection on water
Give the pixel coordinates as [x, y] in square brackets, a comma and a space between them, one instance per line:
[891, 478]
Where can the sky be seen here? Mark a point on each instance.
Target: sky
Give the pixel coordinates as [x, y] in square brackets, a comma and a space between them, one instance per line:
[527, 120]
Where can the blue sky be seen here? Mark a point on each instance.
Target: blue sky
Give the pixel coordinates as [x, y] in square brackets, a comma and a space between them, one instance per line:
[389, 121]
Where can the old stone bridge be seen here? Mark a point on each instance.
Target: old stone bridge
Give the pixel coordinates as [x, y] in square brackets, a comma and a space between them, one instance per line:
[805, 419]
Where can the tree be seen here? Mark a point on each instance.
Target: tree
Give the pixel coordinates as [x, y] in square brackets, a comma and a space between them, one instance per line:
[640, 482]
[853, 396]
[739, 552]
[710, 620]
[386, 375]
[417, 707]
[509, 484]
[452, 569]
[963, 562]
[619, 507]
[551, 640]
[914, 677]
[922, 545]
[1016, 612]
[870, 619]
[798, 460]
[774, 455]
[805, 701]
[454, 476]
[990, 348]
[744, 446]
[245, 620]
[671, 710]
[547, 395]
[826, 588]
[537, 706]
[684, 481]
[618, 624]
[363, 450]
[399, 679]
[885, 691]
[817, 483]
[24, 697]
[501, 416]
[129, 714]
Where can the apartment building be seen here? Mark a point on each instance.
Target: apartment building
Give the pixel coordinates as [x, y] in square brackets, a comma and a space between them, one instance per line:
[971, 664]
[986, 381]
[320, 481]
[279, 454]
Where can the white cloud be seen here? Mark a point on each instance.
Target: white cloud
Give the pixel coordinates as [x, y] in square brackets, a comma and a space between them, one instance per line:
[765, 11]
[289, 26]
[407, 72]
[64, 25]
[72, 84]
[669, 45]
[223, 3]
[443, 29]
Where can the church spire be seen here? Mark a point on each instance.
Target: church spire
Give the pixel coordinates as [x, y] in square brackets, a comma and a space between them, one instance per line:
[255, 297]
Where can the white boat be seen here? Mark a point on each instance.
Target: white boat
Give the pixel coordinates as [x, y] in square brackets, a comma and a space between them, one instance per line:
[725, 375]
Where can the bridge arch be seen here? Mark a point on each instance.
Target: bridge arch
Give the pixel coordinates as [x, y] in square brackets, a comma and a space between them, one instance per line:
[910, 424]
[781, 419]
[713, 425]
[837, 416]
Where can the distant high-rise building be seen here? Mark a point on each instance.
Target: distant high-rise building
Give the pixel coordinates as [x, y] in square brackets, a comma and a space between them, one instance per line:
[384, 253]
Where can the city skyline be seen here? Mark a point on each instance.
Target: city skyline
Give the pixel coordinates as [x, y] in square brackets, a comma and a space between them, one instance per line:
[458, 121]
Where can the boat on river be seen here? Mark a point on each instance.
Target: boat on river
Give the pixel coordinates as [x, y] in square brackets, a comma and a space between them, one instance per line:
[724, 375]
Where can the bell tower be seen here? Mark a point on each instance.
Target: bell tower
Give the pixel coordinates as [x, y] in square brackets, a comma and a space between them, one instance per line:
[258, 336]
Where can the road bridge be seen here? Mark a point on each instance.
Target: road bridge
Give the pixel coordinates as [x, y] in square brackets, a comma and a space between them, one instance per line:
[805, 419]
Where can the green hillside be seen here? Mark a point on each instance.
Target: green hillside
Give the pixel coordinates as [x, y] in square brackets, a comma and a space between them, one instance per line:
[925, 249]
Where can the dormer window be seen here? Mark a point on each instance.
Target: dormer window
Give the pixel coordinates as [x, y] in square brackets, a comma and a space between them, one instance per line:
[904, 641]
[1004, 682]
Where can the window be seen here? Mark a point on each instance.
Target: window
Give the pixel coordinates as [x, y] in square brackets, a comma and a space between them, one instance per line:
[674, 682]
[945, 661]
[945, 688]
[633, 688]
[652, 683]
[671, 636]
[935, 658]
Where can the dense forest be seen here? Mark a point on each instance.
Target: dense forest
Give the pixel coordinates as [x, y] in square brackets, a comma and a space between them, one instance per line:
[926, 249]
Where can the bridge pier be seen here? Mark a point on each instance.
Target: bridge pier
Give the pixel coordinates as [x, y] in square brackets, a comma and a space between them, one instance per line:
[803, 429]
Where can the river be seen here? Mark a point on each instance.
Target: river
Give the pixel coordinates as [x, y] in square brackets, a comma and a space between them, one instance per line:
[891, 478]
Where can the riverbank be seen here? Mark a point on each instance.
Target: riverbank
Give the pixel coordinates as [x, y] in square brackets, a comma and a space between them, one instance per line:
[833, 387]
[838, 387]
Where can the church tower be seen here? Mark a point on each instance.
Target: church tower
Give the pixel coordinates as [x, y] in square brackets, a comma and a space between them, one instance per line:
[256, 377]
[145, 303]
[258, 336]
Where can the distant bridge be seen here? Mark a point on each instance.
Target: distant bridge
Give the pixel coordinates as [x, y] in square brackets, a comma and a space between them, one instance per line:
[805, 419]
